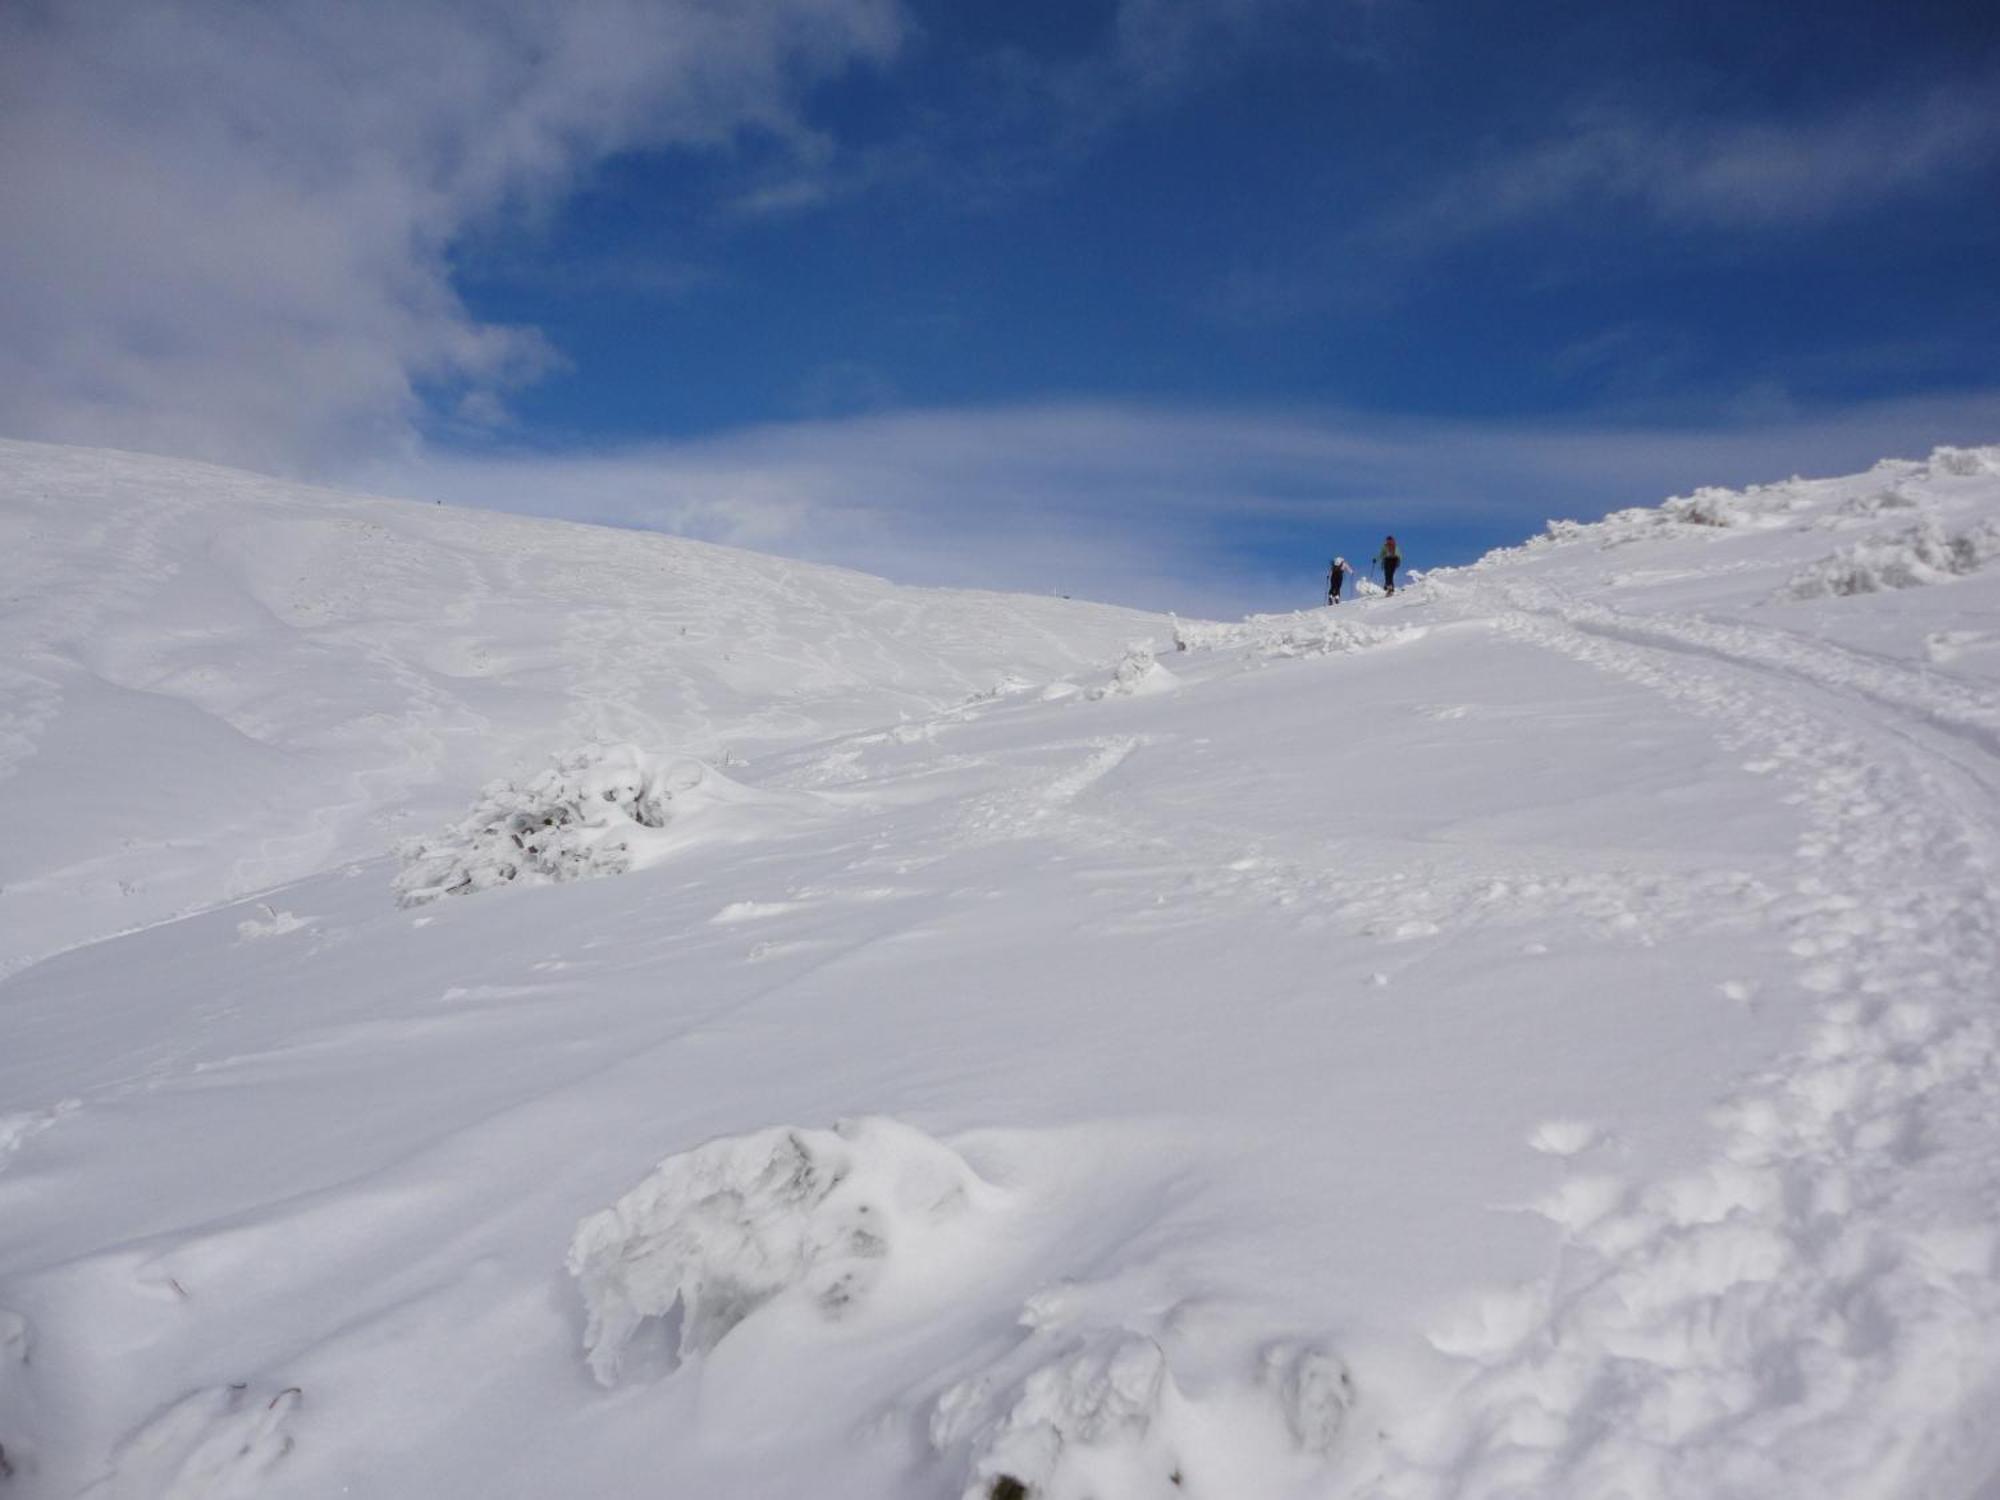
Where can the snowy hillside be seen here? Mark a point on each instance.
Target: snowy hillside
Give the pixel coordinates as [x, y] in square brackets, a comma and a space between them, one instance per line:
[1532, 1036]
[211, 682]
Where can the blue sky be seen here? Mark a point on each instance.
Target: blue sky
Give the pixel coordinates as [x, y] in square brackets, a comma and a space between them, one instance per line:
[1158, 301]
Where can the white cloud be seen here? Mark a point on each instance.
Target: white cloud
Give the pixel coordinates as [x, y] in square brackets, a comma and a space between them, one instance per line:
[1204, 511]
[229, 227]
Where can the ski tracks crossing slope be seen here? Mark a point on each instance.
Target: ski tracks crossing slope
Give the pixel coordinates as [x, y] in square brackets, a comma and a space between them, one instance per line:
[1792, 1316]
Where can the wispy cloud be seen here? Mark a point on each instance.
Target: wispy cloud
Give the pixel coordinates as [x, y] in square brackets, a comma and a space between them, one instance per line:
[1706, 174]
[1204, 511]
[229, 226]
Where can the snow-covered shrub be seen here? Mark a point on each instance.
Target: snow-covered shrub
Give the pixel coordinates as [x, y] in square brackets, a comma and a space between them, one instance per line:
[590, 813]
[1138, 674]
[1096, 1418]
[1923, 554]
[1965, 463]
[1097, 1412]
[1858, 508]
[816, 1217]
[1707, 506]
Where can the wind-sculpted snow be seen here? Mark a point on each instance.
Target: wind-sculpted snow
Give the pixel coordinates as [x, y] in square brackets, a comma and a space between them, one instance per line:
[601, 810]
[817, 1217]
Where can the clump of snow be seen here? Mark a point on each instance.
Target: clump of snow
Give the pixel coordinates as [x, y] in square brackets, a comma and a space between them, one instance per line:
[1564, 1137]
[1138, 675]
[269, 923]
[1096, 1418]
[813, 1216]
[594, 811]
[1316, 632]
[1923, 554]
[1707, 506]
[1098, 1412]
[1313, 1391]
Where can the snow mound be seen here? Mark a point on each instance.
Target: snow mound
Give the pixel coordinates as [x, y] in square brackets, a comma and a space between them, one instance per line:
[1318, 632]
[1922, 554]
[1101, 1414]
[600, 810]
[1138, 675]
[816, 1217]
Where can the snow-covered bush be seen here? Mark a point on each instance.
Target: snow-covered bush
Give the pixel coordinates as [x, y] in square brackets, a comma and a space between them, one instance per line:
[1861, 509]
[594, 811]
[815, 1217]
[1098, 1412]
[1138, 674]
[1923, 554]
[1965, 463]
[1707, 506]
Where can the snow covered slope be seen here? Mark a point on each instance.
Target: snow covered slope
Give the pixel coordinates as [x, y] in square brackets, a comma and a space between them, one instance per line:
[212, 681]
[1530, 1037]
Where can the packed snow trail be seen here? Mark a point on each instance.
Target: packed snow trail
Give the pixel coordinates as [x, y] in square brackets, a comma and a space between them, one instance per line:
[1531, 1037]
[1793, 1316]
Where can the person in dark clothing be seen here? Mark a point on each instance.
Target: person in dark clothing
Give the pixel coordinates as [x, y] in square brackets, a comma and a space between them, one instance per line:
[1389, 558]
[1336, 575]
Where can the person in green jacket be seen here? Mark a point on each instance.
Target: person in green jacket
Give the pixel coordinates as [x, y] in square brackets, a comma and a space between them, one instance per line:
[1389, 559]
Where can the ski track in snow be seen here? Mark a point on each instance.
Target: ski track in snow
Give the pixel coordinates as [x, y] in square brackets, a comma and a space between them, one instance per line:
[1804, 1306]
